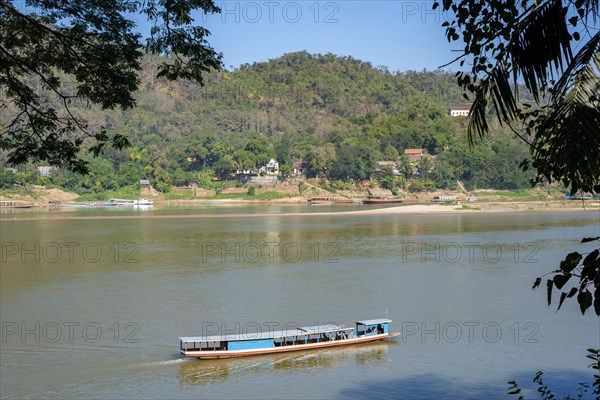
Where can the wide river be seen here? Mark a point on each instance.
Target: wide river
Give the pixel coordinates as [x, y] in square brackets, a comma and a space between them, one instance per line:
[93, 308]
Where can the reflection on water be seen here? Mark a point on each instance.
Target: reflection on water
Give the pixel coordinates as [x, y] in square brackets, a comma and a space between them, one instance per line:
[202, 372]
[169, 209]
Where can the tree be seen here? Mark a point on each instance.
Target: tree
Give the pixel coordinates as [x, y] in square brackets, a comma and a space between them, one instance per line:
[390, 153]
[405, 167]
[244, 159]
[389, 180]
[204, 178]
[224, 168]
[421, 185]
[354, 162]
[533, 42]
[261, 149]
[130, 174]
[7, 178]
[321, 159]
[97, 44]
[425, 166]
[162, 180]
[282, 151]
[101, 175]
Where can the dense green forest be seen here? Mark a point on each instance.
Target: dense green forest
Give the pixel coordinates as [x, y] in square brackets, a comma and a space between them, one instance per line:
[338, 114]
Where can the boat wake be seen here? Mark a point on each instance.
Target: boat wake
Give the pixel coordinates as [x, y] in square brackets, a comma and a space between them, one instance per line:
[169, 362]
[163, 362]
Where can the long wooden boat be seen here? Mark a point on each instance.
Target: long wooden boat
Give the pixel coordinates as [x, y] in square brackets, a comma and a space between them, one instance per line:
[126, 202]
[15, 204]
[329, 201]
[295, 339]
[382, 200]
[85, 204]
[440, 199]
[578, 197]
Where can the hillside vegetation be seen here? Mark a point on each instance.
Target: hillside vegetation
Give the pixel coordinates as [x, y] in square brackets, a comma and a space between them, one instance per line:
[338, 114]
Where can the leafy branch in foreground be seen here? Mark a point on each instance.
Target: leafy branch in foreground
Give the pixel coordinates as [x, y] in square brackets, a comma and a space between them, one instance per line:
[96, 43]
[588, 272]
[546, 393]
[553, 47]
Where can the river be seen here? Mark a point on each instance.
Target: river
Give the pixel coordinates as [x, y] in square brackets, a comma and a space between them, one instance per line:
[93, 308]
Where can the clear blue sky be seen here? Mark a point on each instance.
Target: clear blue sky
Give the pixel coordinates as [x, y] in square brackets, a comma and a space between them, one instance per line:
[401, 35]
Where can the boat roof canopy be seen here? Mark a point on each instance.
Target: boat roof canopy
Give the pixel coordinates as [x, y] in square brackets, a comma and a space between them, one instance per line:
[296, 331]
[374, 321]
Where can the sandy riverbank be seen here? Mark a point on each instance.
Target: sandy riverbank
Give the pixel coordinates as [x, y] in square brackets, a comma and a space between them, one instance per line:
[504, 207]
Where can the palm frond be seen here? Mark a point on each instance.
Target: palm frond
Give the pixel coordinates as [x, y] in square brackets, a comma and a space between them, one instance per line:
[477, 121]
[583, 58]
[568, 140]
[591, 7]
[542, 45]
[500, 92]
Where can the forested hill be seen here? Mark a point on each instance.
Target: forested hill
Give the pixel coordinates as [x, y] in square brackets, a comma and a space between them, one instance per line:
[338, 113]
[298, 93]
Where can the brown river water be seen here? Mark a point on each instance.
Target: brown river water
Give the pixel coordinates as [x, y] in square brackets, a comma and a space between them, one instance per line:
[93, 308]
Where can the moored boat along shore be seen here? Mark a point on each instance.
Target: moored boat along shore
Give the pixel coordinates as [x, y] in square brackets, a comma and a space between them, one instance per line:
[505, 207]
[289, 193]
[63, 205]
